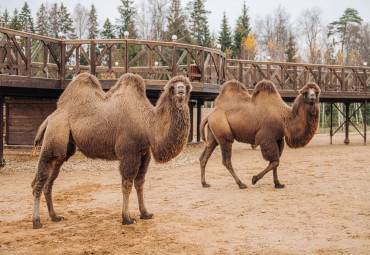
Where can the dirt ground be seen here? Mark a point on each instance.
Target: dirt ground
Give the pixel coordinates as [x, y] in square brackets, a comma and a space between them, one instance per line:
[324, 209]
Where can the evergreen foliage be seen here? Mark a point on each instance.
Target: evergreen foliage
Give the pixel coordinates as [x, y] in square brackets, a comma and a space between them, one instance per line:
[26, 19]
[241, 31]
[126, 22]
[177, 23]
[5, 18]
[199, 31]
[66, 23]
[225, 35]
[15, 22]
[93, 26]
[108, 30]
[42, 22]
[290, 49]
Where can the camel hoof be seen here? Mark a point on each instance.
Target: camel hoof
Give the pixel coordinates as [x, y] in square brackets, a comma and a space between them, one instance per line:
[242, 186]
[279, 186]
[254, 180]
[205, 185]
[37, 224]
[128, 221]
[147, 216]
[57, 218]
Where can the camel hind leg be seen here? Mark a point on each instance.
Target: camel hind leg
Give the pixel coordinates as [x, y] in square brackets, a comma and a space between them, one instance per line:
[50, 181]
[55, 150]
[226, 149]
[207, 152]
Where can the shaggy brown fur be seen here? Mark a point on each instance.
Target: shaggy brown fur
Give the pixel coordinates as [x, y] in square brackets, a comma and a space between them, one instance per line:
[118, 125]
[261, 119]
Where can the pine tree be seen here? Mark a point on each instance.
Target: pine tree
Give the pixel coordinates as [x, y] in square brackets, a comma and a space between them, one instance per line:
[177, 23]
[26, 19]
[5, 19]
[290, 50]
[241, 31]
[42, 23]
[15, 22]
[340, 27]
[225, 35]
[126, 21]
[66, 23]
[92, 28]
[199, 31]
[108, 30]
[54, 21]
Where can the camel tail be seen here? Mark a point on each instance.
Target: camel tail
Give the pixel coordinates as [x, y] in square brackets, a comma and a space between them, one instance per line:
[39, 135]
[202, 134]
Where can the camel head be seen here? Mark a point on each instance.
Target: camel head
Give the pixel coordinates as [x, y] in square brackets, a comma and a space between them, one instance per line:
[310, 93]
[179, 88]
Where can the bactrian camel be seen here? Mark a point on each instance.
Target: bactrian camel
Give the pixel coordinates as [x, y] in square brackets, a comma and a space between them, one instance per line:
[262, 119]
[120, 124]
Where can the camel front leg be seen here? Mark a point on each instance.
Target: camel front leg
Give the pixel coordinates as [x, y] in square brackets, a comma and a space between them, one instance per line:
[277, 183]
[129, 168]
[139, 186]
[272, 165]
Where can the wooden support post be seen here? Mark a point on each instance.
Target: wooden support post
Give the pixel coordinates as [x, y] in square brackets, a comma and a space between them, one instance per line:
[331, 123]
[174, 66]
[2, 161]
[62, 61]
[365, 120]
[92, 58]
[202, 68]
[28, 56]
[191, 133]
[346, 140]
[199, 117]
[241, 72]
[127, 61]
[268, 71]
[319, 77]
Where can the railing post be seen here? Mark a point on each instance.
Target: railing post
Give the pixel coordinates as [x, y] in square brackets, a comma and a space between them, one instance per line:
[92, 59]
[365, 79]
[295, 74]
[241, 72]
[62, 61]
[202, 66]
[342, 76]
[268, 71]
[174, 66]
[28, 56]
[319, 77]
[127, 68]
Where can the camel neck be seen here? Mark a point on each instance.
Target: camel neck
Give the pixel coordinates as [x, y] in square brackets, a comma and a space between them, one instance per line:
[169, 129]
[302, 124]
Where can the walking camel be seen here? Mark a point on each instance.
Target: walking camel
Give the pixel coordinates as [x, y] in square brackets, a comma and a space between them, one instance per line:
[120, 124]
[260, 119]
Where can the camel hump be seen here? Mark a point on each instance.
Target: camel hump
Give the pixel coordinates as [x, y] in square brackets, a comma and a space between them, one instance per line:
[264, 85]
[233, 90]
[129, 82]
[84, 86]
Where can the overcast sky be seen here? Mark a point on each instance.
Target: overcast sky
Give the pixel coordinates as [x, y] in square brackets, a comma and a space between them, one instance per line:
[331, 9]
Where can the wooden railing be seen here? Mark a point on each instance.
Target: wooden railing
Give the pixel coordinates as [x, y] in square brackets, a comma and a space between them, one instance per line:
[293, 76]
[36, 56]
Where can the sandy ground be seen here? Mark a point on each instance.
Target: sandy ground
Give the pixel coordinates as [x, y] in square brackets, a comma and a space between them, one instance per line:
[324, 209]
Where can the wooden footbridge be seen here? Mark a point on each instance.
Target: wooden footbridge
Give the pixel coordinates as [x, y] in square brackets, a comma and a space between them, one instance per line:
[35, 69]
